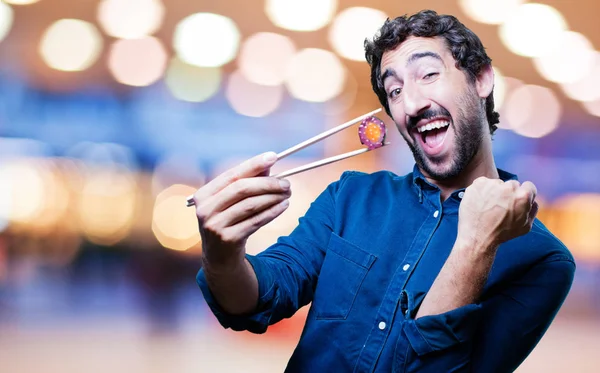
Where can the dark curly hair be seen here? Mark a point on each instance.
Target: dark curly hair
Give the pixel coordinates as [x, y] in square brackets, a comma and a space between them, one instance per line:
[466, 48]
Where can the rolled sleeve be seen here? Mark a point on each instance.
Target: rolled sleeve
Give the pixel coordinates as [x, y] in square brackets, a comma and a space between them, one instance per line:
[439, 332]
[255, 322]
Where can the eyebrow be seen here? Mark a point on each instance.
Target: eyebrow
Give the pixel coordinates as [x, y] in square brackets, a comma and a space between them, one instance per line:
[389, 72]
[416, 56]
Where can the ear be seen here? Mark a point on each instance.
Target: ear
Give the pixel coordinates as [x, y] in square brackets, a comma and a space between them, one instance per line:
[485, 81]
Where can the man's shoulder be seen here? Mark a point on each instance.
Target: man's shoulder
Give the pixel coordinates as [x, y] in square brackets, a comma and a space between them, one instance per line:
[541, 245]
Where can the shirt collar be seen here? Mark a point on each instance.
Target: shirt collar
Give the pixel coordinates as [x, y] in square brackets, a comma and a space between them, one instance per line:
[420, 182]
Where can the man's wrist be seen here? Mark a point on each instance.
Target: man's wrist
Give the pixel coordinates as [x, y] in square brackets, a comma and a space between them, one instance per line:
[475, 246]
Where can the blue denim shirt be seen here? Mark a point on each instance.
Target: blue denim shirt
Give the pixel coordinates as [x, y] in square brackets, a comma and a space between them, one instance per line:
[366, 253]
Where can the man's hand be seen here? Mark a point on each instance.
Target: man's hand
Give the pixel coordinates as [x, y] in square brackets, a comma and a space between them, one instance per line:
[236, 204]
[493, 211]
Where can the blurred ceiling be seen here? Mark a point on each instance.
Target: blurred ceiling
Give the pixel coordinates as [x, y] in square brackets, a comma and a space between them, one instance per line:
[21, 45]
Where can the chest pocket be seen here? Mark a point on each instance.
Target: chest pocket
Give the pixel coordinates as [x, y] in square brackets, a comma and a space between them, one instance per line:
[343, 272]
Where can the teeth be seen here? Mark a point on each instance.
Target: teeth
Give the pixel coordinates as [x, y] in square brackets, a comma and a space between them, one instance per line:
[433, 125]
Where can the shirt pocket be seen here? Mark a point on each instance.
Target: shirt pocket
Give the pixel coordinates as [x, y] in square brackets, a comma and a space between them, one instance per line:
[342, 274]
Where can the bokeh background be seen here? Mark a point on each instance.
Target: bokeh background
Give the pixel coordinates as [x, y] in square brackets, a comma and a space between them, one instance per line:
[113, 111]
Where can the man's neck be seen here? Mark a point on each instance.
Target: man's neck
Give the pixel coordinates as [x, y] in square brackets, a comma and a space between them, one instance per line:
[482, 164]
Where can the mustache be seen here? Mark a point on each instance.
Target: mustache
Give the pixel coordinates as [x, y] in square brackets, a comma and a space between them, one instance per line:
[412, 122]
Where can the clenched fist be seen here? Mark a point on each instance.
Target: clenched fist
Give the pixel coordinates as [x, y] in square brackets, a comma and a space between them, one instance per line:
[236, 204]
[493, 211]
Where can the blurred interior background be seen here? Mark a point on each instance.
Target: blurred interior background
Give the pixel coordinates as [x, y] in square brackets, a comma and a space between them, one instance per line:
[113, 111]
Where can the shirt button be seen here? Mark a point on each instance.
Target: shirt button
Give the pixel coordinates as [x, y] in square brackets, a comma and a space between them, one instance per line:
[406, 267]
[461, 195]
[381, 325]
[406, 313]
[436, 213]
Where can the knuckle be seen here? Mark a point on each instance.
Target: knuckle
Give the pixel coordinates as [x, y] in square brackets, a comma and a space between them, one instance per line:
[211, 226]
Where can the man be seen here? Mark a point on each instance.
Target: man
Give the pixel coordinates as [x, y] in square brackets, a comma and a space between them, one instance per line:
[445, 269]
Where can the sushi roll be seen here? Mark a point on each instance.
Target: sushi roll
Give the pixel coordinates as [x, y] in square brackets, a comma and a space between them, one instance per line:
[371, 132]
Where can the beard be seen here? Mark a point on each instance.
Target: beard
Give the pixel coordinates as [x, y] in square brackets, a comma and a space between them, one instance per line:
[468, 136]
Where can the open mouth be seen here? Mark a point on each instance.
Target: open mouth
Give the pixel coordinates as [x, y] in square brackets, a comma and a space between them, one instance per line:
[432, 135]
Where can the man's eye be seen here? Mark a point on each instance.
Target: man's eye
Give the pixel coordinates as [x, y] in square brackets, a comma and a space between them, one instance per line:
[395, 92]
[429, 76]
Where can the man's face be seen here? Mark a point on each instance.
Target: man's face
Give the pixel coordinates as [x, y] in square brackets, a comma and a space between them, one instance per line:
[437, 109]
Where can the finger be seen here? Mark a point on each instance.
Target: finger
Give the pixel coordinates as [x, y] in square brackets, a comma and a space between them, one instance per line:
[248, 208]
[249, 168]
[246, 227]
[242, 189]
[512, 184]
[531, 190]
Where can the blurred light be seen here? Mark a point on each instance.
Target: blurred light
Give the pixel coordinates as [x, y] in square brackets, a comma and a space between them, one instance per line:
[572, 59]
[533, 30]
[350, 29]
[71, 45]
[499, 89]
[20, 2]
[130, 19]
[192, 83]
[579, 225]
[265, 57]
[533, 111]
[342, 102]
[251, 99]
[137, 62]
[315, 75]
[301, 15]
[491, 12]
[6, 19]
[32, 189]
[510, 85]
[592, 107]
[175, 225]
[176, 168]
[206, 40]
[107, 204]
[586, 88]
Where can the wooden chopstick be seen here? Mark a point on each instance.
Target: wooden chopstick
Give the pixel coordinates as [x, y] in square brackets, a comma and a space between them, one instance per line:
[323, 162]
[312, 140]
[323, 135]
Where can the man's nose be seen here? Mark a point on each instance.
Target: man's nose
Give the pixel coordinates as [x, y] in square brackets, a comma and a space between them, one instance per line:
[414, 101]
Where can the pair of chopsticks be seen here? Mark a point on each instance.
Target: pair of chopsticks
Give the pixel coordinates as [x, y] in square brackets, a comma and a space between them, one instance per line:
[312, 140]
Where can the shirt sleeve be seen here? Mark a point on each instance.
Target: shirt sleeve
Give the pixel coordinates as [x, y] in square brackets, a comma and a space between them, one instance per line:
[287, 272]
[514, 321]
[498, 333]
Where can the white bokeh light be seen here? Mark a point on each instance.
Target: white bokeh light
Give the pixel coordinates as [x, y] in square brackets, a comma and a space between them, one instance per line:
[192, 83]
[315, 75]
[301, 15]
[588, 87]
[206, 40]
[71, 45]
[533, 29]
[130, 19]
[592, 107]
[6, 19]
[251, 99]
[499, 89]
[572, 60]
[492, 12]
[351, 27]
[137, 62]
[533, 111]
[265, 57]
